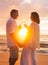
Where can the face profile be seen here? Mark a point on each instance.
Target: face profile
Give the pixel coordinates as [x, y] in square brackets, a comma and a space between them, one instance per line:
[35, 17]
[14, 13]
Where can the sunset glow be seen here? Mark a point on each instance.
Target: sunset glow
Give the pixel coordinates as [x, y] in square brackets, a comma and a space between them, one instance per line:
[22, 34]
[27, 2]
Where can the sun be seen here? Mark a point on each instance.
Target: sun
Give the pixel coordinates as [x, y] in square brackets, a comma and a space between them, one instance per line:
[22, 34]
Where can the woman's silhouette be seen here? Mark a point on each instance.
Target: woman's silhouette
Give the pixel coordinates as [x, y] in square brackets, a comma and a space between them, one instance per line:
[28, 52]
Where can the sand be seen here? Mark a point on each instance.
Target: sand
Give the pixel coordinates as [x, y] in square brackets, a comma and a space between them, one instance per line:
[41, 58]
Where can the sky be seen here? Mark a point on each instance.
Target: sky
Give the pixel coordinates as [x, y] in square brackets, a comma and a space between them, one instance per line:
[25, 7]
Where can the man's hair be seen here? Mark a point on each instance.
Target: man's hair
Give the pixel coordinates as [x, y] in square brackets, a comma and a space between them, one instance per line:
[13, 11]
[35, 17]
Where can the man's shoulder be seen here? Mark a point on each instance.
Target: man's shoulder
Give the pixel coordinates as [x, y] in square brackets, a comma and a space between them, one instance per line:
[10, 20]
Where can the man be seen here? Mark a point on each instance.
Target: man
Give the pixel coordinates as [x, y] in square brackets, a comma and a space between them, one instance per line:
[11, 26]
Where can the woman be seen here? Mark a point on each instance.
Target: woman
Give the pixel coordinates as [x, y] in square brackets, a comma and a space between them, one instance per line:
[28, 52]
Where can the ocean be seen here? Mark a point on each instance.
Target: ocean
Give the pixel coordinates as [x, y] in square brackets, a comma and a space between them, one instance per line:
[43, 44]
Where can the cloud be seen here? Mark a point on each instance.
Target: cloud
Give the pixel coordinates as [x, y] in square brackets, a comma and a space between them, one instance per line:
[40, 6]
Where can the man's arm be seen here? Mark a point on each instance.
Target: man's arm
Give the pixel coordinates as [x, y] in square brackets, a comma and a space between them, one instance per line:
[13, 36]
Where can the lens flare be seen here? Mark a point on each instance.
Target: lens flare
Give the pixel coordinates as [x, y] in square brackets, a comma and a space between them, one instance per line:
[22, 34]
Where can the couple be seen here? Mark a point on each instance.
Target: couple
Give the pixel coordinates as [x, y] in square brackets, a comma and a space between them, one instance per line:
[28, 52]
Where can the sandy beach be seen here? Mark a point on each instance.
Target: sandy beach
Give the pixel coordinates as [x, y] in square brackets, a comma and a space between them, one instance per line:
[4, 56]
[42, 59]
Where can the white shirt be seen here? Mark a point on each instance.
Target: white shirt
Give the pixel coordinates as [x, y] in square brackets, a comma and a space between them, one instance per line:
[10, 28]
[35, 37]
